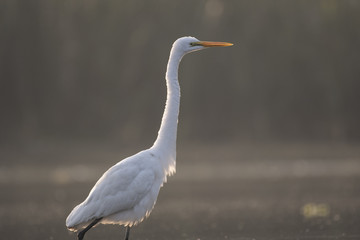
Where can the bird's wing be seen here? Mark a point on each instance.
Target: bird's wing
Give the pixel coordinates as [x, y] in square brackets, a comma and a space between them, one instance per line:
[121, 188]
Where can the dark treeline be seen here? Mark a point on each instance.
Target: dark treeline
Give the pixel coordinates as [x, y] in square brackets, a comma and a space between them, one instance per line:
[95, 69]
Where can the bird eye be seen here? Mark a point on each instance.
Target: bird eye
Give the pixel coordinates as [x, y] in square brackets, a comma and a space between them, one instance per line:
[194, 44]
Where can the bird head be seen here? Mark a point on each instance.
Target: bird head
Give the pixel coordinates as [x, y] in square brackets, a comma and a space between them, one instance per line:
[191, 44]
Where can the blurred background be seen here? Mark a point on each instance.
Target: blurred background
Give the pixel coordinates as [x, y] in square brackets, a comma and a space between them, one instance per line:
[82, 86]
[95, 70]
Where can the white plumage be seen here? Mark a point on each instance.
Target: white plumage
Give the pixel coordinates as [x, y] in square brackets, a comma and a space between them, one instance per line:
[127, 192]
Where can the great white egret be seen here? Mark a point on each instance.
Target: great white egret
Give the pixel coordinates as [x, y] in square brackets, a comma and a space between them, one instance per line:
[127, 192]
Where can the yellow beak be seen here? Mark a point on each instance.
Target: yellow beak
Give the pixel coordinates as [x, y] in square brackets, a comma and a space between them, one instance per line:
[212, 44]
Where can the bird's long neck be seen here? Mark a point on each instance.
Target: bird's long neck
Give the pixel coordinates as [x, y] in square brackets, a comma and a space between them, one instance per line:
[166, 139]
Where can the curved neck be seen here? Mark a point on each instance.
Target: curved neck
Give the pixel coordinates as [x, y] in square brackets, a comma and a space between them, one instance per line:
[166, 139]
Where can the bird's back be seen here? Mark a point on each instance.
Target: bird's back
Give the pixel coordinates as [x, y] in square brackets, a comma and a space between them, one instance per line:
[125, 194]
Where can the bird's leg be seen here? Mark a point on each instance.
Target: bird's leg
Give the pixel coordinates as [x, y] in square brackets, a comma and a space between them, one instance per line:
[127, 233]
[82, 233]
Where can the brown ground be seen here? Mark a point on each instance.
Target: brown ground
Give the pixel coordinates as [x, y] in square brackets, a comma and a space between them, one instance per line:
[219, 192]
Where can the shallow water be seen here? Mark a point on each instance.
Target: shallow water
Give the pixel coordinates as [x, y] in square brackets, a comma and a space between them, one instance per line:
[267, 196]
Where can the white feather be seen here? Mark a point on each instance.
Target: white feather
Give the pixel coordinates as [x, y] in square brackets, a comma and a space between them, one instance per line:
[127, 192]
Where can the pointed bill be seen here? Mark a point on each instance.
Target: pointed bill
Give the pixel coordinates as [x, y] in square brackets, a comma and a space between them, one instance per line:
[212, 44]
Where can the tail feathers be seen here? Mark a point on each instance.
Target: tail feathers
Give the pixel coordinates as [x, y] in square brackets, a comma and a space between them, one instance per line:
[79, 218]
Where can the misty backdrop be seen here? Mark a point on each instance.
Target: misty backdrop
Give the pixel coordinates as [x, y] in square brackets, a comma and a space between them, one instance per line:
[94, 70]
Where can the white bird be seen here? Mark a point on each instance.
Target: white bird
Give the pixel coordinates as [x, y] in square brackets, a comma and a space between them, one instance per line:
[127, 192]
